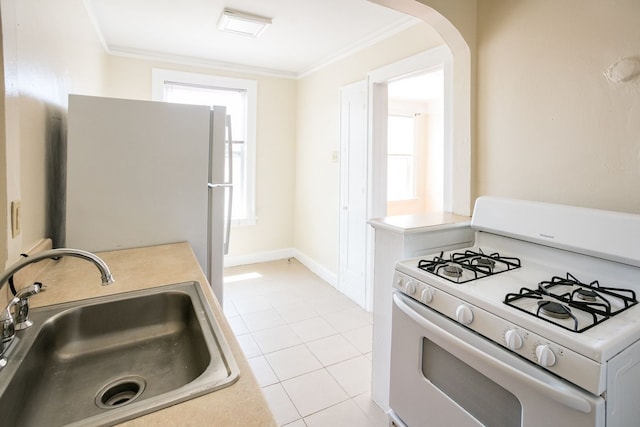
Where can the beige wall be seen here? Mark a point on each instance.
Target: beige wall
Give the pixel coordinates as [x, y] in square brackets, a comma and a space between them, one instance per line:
[50, 50]
[551, 127]
[318, 136]
[275, 134]
[5, 225]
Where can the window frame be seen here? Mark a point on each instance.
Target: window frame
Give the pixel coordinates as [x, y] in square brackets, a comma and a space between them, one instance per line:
[159, 76]
[412, 156]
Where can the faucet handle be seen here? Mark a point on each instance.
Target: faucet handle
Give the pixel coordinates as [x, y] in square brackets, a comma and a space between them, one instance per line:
[7, 329]
[29, 291]
[22, 306]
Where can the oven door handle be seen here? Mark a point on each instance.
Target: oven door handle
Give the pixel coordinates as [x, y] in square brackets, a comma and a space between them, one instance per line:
[458, 346]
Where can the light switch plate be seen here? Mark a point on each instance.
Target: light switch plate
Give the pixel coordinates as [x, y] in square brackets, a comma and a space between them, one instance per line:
[335, 156]
[15, 219]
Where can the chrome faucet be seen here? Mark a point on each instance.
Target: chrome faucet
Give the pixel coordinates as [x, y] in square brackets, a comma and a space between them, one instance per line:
[10, 322]
[105, 274]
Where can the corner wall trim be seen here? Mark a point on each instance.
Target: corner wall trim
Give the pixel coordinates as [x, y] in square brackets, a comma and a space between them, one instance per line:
[316, 268]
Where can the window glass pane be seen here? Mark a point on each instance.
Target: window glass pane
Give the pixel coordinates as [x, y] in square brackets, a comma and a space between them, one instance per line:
[401, 138]
[239, 208]
[400, 162]
[400, 178]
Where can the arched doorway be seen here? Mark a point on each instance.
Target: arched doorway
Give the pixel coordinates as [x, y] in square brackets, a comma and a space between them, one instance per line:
[455, 22]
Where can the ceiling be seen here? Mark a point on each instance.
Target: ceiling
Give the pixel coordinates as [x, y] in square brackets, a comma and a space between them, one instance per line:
[304, 34]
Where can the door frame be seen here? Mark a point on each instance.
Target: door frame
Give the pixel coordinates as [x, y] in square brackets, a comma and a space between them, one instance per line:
[377, 80]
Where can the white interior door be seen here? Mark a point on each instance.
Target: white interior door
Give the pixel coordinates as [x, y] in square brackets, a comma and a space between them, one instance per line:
[353, 192]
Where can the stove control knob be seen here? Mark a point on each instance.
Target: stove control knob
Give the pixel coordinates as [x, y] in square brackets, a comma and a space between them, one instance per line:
[545, 355]
[513, 339]
[464, 314]
[427, 295]
[411, 288]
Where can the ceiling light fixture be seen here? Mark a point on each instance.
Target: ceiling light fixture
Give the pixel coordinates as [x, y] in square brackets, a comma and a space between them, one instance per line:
[246, 24]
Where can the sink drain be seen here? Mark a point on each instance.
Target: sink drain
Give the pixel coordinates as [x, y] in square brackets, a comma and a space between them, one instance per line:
[120, 392]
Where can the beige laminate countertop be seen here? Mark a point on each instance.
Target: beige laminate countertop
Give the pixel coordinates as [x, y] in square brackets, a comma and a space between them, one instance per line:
[70, 279]
[407, 224]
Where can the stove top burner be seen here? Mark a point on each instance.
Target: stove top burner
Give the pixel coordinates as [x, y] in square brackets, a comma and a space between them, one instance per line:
[485, 262]
[554, 309]
[561, 298]
[586, 295]
[462, 267]
[452, 270]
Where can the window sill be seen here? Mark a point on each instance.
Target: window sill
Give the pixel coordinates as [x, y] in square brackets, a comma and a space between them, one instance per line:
[243, 222]
[410, 199]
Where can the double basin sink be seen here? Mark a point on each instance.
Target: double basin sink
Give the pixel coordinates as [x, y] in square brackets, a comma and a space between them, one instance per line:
[105, 360]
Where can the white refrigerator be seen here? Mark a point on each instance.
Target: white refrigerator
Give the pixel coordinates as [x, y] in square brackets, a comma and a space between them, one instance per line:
[143, 173]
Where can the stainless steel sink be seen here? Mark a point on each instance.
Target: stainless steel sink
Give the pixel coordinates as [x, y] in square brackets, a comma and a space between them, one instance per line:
[105, 360]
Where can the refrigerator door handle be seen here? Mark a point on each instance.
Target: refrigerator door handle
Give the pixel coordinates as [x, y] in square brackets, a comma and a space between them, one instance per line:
[219, 185]
[229, 185]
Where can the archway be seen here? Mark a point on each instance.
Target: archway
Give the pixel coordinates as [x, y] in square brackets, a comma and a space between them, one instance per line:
[455, 21]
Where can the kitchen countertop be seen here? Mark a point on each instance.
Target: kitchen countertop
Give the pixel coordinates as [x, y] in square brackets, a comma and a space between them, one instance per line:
[70, 279]
[418, 223]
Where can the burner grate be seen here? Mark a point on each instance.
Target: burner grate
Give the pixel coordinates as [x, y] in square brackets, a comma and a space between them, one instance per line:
[463, 267]
[489, 263]
[559, 295]
[546, 301]
[591, 296]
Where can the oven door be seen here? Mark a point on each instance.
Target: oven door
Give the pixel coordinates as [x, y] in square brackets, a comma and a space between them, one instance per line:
[443, 374]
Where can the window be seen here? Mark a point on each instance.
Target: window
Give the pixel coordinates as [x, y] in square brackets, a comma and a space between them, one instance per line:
[401, 181]
[239, 96]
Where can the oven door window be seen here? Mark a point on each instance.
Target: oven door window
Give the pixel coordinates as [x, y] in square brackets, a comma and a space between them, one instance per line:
[487, 401]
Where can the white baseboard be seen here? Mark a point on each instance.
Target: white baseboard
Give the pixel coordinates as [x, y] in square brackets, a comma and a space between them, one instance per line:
[258, 257]
[318, 269]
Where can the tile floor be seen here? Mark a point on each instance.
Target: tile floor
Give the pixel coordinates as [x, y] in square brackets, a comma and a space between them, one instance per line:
[308, 345]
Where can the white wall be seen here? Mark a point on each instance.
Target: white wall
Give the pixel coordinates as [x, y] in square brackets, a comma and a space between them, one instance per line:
[318, 136]
[276, 127]
[551, 127]
[50, 49]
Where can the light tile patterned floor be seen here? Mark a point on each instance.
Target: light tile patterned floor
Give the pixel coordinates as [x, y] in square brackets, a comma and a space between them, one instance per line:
[308, 345]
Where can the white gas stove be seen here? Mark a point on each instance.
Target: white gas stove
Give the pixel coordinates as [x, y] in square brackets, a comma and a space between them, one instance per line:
[556, 285]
